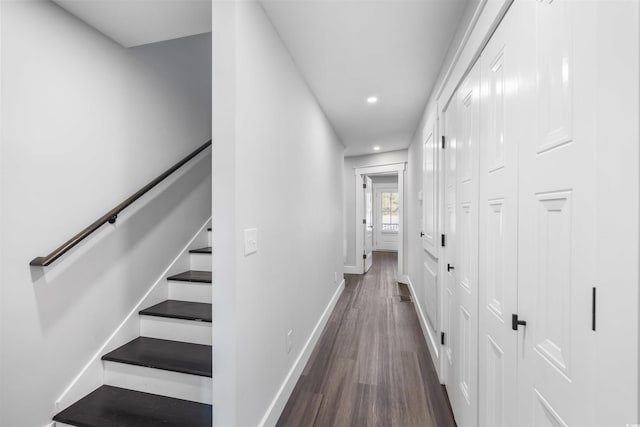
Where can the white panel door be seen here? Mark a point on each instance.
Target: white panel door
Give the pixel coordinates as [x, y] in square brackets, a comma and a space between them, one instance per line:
[449, 251]
[466, 266]
[368, 224]
[556, 248]
[429, 190]
[498, 255]
[386, 220]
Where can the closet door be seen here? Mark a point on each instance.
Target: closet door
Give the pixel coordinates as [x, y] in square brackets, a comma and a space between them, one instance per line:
[467, 145]
[449, 251]
[557, 215]
[498, 255]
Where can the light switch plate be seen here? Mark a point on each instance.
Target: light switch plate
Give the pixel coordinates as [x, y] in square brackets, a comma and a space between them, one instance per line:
[250, 241]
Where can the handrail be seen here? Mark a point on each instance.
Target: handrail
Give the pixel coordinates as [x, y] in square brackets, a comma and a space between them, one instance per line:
[111, 216]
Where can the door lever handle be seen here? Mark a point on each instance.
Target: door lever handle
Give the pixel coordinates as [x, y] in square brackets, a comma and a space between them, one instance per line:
[515, 322]
[421, 234]
[450, 267]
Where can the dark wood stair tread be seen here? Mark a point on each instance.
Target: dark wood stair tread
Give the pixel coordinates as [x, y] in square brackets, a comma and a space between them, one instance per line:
[169, 355]
[206, 250]
[110, 406]
[198, 311]
[192, 276]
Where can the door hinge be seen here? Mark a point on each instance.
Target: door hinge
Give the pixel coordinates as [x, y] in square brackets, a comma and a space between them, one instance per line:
[593, 309]
[364, 221]
[443, 142]
[442, 338]
[364, 185]
[443, 240]
[364, 256]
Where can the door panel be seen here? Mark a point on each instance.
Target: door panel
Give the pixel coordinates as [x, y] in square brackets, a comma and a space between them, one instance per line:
[430, 189]
[498, 259]
[468, 131]
[557, 216]
[385, 234]
[368, 224]
[449, 251]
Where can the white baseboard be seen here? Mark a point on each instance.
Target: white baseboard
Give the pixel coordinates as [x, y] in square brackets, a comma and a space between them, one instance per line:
[274, 411]
[91, 375]
[352, 269]
[403, 278]
[428, 332]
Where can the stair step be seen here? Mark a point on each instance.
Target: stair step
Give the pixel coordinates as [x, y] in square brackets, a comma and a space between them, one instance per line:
[167, 328]
[201, 259]
[169, 355]
[192, 276]
[110, 406]
[187, 310]
[206, 250]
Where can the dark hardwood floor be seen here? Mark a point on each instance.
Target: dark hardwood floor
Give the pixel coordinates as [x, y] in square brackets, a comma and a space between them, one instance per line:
[371, 366]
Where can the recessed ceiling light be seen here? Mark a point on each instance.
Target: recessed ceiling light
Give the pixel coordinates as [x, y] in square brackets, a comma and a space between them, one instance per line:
[376, 148]
[372, 99]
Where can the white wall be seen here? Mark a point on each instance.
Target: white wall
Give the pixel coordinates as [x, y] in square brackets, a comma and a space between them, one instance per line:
[85, 123]
[350, 164]
[277, 168]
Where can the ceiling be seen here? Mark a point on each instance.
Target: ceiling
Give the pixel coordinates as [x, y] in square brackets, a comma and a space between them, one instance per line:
[348, 50]
[138, 22]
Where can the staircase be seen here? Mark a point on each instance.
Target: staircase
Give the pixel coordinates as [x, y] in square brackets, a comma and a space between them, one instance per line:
[162, 377]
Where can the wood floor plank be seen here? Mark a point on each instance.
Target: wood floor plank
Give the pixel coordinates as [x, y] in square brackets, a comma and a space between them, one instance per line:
[371, 366]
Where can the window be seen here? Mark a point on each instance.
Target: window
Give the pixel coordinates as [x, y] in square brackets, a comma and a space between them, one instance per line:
[389, 212]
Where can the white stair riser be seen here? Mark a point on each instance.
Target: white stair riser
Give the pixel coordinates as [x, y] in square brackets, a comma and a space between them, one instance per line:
[59, 424]
[210, 237]
[201, 262]
[158, 381]
[176, 329]
[190, 291]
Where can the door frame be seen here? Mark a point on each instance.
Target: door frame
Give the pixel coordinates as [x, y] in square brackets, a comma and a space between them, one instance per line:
[399, 168]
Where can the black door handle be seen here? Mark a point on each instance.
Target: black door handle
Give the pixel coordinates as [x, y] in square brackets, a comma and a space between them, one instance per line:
[421, 234]
[450, 267]
[515, 322]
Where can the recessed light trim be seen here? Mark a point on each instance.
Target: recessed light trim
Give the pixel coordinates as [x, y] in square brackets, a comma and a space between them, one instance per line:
[376, 148]
[372, 99]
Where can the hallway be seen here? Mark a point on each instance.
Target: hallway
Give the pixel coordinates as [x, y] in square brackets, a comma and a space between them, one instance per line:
[371, 366]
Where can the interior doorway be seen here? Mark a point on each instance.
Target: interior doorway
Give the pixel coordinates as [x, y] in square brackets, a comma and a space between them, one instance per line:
[368, 226]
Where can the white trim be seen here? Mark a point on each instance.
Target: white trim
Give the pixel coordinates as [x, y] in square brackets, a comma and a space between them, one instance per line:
[486, 18]
[91, 376]
[372, 170]
[404, 279]
[352, 269]
[274, 411]
[461, 46]
[429, 334]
